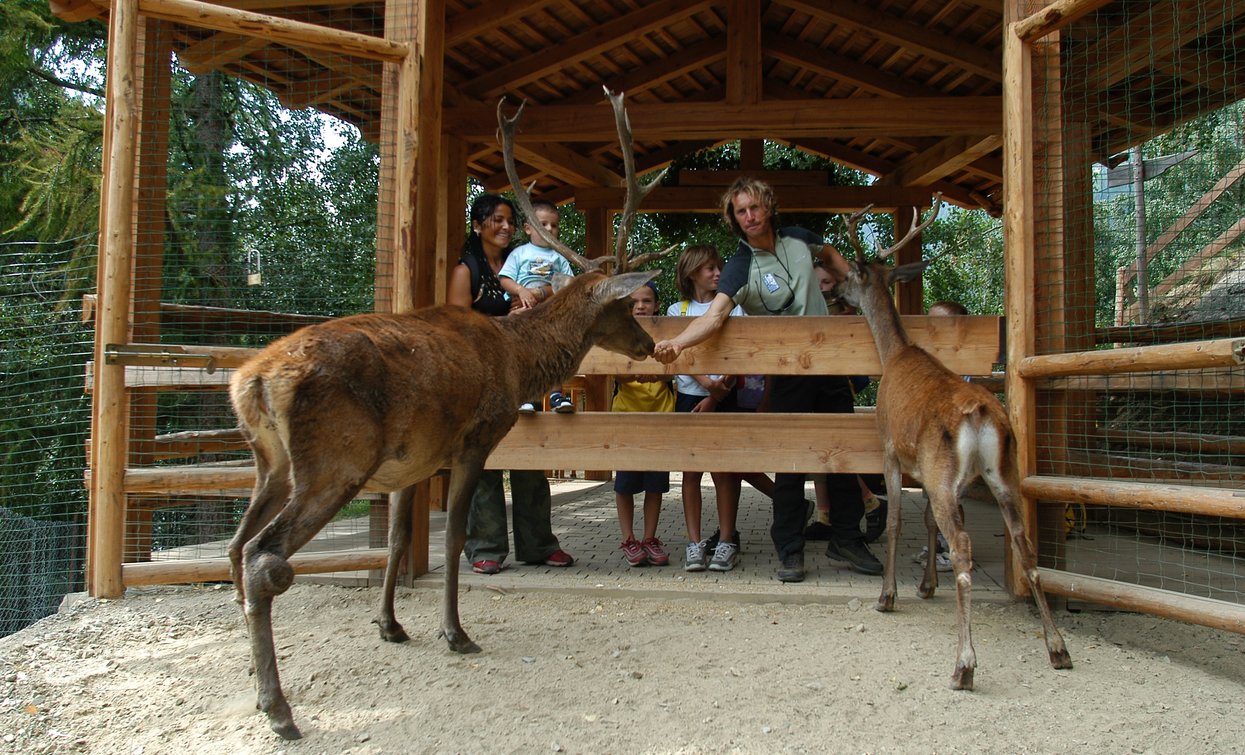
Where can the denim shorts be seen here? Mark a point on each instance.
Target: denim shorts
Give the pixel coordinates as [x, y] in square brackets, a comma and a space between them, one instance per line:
[630, 483]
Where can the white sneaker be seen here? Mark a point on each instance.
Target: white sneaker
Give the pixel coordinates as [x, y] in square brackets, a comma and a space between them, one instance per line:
[942, 561]
[528, 408]
[694, 559]
[725, 556]
[563, 405]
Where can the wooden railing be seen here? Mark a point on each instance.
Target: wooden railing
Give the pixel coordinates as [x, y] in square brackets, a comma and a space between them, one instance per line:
[591, 439]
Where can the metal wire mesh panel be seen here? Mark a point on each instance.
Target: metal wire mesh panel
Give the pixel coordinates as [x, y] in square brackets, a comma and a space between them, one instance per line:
[1140, 214]
[44, 425]
[256, 214]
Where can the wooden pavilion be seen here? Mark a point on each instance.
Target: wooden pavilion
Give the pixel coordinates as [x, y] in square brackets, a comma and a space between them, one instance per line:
[970, 98]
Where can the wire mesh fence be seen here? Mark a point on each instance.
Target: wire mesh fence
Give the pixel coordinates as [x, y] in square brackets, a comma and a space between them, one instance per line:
[1141, 124]
[44, 424]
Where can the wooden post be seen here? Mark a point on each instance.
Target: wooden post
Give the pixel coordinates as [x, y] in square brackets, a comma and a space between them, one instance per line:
[1053, 268]
[1079, 407]
[909, 296]
[744, 70]
[428, 256]
[599, 388]
[149, 223]
[1019, 252]
[751, 155]
[453, 157]
[110, 411]
[405, 21]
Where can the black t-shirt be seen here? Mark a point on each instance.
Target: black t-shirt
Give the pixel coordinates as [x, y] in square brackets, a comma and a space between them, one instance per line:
[487, 295]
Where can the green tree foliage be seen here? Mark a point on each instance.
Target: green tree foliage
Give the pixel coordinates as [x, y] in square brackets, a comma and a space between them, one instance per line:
[1217, 138]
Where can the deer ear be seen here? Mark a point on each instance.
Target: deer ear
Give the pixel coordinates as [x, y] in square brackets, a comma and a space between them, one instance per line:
[561, 281]
[619, 286]
[908, 272]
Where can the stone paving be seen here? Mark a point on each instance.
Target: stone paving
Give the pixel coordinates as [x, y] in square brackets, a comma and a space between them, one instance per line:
[585, 520]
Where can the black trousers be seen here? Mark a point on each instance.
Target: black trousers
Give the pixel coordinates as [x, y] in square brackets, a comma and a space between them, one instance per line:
[819, 394]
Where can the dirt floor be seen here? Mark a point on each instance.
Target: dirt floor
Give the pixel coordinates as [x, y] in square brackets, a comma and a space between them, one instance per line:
[595, 671]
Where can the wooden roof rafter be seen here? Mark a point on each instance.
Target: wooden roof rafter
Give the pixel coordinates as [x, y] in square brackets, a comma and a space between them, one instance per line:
[680, 61]
[591, 42]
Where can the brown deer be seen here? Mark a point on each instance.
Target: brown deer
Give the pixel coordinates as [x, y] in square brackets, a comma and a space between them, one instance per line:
[945, 433]
[382, 401]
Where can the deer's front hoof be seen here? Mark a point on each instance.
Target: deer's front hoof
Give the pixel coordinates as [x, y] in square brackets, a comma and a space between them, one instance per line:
[459, 642]
[886, 602]
[926, 590]
[391, 631]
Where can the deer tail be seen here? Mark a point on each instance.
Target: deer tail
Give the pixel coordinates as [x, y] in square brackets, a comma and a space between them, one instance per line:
[246, 393]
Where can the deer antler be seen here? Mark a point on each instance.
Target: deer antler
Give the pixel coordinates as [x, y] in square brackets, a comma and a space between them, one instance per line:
[635, 190]
[521, 195]
[853, 221]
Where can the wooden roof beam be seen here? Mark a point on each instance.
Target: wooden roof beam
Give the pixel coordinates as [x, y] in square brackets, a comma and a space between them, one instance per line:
[275, 29]
[867, 163]
[303, 93]
[566, 165]
[905, 34]
[791, 198]
[656, 73]
[1131, 47]
[856, 117]
[592, 42]
[842, 68]
[943, 159]
[488, 17]
[217, 51]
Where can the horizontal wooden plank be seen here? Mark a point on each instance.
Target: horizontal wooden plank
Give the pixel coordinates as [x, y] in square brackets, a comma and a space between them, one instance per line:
[1224, 382]
[725, 442]
[595, 440]
[1221, 352]
[167, 378]
[217, 569]
[745, 345]
[854, 117]
[704, 198]
[810, 346]
[1184, 499]
[1129, 597]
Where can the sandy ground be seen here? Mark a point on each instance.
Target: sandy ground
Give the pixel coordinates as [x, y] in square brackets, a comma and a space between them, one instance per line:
[584, 671]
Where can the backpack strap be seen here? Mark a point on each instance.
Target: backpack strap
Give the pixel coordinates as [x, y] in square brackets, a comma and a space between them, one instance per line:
[683, 305]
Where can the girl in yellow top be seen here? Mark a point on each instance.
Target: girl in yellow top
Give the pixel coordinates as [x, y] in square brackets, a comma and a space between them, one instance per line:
[642, 394]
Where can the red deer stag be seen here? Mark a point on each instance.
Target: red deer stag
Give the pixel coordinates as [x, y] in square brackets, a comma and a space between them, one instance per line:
[383, 401]
[946, 433]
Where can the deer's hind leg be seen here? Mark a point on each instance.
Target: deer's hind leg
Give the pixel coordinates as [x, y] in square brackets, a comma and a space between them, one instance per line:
[929, 577]
[266, 573]
[944, 502]
[272, 490]
[1006, 490]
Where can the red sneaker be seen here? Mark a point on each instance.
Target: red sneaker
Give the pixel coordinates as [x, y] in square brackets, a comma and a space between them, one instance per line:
[559, 558]
[485, 566]
[655, 552]
[634, 552]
